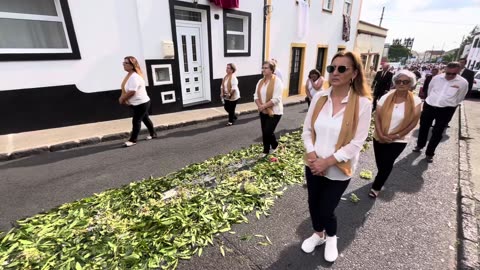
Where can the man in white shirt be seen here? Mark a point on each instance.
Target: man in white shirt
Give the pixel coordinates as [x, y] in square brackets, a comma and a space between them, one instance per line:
[445, 92]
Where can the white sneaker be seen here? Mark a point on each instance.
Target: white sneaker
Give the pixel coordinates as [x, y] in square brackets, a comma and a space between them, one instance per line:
[331, 251]
[310, 243]
[148, 138]
[129, 143]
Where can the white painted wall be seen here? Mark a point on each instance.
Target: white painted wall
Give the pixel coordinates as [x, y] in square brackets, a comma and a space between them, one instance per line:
[324, 29]
[105, 35]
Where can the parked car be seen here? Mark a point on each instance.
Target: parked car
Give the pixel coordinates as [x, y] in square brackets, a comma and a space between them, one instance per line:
[476, 82]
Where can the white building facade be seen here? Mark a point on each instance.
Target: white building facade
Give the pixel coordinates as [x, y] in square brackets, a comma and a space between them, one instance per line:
[473, 58]
[61, 60]
[305, 35]
[370, 43]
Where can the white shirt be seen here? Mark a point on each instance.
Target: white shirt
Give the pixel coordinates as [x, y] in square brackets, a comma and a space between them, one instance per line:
[443, 93]
[327, 130]
[279, 74]
[234, 82]
[276, 97]
[137, 83]
[311, 89]
[397, 115]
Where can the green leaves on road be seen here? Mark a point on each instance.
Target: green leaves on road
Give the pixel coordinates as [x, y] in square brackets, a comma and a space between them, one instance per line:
[156, 222]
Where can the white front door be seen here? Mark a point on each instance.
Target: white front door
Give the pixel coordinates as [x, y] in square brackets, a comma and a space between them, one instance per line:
[190, 58]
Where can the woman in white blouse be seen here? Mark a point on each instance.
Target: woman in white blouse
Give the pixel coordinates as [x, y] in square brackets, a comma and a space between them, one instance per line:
[396, 116]
[230, 93]
[314, 84]
[268, 97]
[134, 94]
[334, 131]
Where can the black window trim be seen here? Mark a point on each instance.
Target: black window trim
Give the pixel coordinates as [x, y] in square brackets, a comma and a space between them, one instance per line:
[241, 13]
[75, 54]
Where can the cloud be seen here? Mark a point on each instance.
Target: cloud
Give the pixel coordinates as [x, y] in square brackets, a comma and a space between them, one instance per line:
[431, 27]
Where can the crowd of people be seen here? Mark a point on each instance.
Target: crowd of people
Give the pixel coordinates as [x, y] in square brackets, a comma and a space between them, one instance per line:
[337, 122]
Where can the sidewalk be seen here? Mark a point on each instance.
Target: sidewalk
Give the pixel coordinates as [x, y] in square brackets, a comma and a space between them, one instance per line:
[19, 145]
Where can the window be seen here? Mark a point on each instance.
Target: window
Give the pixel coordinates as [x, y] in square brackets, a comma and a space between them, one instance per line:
[36, 30]
[347, 8]
[475, 43]
[236, 30]
[168, 97]
[328, 5]
[321, 60]
[162, 74]
[188, 15]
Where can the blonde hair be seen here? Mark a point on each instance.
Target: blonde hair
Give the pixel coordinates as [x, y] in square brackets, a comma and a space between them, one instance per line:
[270, 64]
[232, 66]
[359, 83]
[134, 62]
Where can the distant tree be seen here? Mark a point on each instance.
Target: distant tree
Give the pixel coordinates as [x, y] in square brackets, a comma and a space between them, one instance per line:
[450, 57]
[398, 53]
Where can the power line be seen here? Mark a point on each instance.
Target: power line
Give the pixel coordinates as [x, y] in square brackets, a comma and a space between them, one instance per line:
[435, 22]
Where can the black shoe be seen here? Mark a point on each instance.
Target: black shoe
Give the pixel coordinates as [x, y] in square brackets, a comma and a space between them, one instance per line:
[429, 159]
[417, 149]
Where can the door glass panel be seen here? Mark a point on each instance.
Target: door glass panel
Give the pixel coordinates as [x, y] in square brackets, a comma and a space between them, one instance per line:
[185, 56]
[188, 15]
[194, 49]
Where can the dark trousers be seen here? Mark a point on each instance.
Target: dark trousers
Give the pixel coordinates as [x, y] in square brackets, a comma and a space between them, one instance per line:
[140, 114]
[308, 100]
[268, 128]
[323, 197]
[230, 108]
[442, 117]
[385, 156]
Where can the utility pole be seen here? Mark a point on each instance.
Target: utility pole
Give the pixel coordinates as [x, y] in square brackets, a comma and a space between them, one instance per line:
[381, 18]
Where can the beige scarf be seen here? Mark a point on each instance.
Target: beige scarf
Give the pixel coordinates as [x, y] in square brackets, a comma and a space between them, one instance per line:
[348, 130]
[231, 93]
[124, 83]
[270, 89]
[387, 111]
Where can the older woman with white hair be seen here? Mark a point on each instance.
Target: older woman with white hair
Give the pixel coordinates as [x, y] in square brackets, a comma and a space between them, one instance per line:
[396, 116]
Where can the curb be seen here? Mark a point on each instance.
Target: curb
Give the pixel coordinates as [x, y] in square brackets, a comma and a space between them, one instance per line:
[468, 247]
[115, 136]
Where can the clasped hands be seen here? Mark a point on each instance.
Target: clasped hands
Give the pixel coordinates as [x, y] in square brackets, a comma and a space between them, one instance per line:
[390, 137]
[318, 166]
[262, 107]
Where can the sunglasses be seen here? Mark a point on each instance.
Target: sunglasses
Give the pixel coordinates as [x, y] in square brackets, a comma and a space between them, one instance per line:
[450, 74]
[340, 69]
[403, 82]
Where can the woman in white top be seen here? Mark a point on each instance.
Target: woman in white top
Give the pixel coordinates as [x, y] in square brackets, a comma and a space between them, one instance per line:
[268, 97]
[134, 94]
[230, 93]
[334, 132]
[314, 84]
[396, 116]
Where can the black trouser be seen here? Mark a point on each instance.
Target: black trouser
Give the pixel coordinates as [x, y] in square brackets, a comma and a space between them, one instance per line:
[308, 101]
[140, 114]
[323, 197]
[442, 117]
[385, 156]
[268, 128]
[230, 108]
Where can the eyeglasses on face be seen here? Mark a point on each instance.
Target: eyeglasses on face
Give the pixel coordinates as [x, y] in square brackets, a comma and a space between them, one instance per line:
[403, 82]
[340, 69]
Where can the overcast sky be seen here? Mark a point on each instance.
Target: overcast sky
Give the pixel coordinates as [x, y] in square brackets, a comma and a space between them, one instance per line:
[433, 23]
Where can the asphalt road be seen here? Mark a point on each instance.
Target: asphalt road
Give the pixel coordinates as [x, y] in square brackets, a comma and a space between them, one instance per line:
[39, 183]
